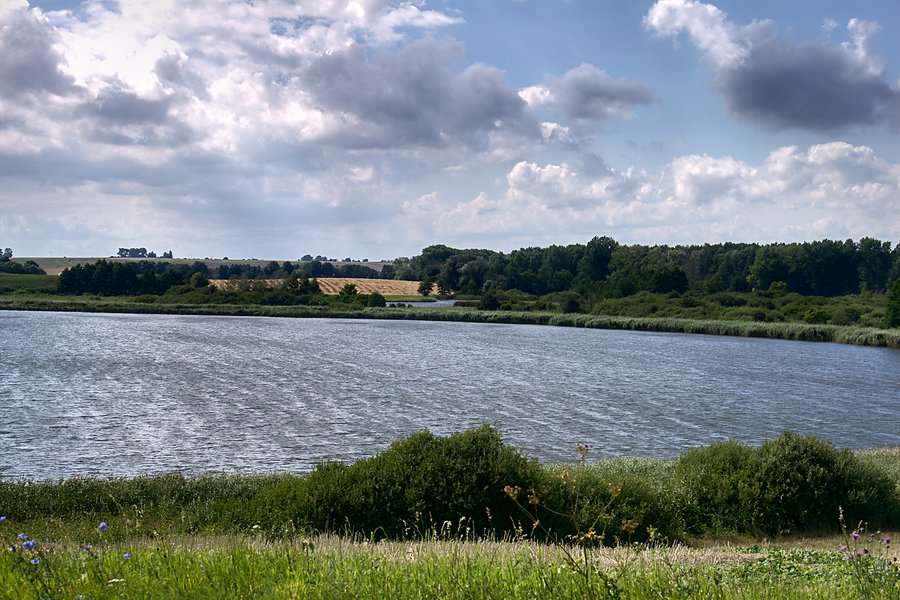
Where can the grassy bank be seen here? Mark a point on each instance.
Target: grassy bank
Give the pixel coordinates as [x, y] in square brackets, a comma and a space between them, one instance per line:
[468, 517]
[863, 336]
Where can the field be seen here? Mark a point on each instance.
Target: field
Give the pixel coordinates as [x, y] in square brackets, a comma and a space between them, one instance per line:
[332, 286]
[31, 283]
[55, 265]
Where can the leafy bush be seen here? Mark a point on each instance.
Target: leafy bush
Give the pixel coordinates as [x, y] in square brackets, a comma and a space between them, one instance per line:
[421, 481]
[717, 481]
[793, 483]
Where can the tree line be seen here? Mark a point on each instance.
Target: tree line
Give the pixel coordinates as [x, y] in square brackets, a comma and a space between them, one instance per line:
[314, 268]
[8, 265]
[605, 268]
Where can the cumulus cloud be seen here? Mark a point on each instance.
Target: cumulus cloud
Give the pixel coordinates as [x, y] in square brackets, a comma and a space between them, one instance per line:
[763, 76]
[29, 59]
[586, 92]
[412, 95]
[835, 189]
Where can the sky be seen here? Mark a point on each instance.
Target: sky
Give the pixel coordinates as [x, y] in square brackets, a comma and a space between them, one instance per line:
[373, 128]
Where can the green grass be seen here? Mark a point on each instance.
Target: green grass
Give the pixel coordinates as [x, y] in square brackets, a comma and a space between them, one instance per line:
[844, 334]
[335, 568]
[29, 283]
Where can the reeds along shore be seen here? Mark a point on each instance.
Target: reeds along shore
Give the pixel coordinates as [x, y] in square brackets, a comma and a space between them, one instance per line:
[860, 336]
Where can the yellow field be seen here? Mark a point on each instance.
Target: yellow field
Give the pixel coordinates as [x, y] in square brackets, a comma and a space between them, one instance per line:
[332, 285]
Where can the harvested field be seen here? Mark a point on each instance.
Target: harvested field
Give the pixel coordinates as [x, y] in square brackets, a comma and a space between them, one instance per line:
[332, 285]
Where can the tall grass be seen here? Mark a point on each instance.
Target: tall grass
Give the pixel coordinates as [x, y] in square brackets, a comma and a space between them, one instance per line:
[338, 570]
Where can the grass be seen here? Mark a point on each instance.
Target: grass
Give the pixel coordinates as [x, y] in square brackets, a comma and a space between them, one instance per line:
[29, 283]
[844, 334]
[335, 568]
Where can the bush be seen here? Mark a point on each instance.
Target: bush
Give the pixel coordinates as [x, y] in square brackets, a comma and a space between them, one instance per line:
[793, 483]
[419, 482]
[717, 481]
[623, 499]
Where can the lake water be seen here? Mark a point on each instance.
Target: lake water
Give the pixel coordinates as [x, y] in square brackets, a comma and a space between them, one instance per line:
[100, 395]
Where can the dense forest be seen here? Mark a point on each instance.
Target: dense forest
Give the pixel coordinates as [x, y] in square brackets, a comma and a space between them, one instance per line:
[604, 268]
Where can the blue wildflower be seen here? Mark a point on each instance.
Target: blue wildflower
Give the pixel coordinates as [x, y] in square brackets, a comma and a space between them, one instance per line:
[127, 556]
[29, 545]
[35, 561]
[2, 519]
[103, 526]
[21, 537]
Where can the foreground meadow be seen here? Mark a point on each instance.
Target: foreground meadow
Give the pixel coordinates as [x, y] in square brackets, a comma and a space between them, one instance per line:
[335, 567]
[467, 516]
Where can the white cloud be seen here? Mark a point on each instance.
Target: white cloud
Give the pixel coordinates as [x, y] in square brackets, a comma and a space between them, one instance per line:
[833, 189]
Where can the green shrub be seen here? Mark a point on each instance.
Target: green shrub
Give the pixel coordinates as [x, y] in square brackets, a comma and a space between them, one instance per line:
[717, 481]
[816, 316]
[802, 482]
[793, 483]
[419, 482]
[622, 500]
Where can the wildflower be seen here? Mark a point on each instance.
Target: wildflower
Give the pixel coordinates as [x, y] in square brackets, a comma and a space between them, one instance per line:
[127, 556]
[103, 526]
[21, 537]
[512, 491]
[29, 545]
[87, 547]
[35, 561]
[855, 535]
[2, 519]
[11, 548]
[886, 540]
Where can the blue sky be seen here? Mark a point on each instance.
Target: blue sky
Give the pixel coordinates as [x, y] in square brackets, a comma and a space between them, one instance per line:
[372, 128]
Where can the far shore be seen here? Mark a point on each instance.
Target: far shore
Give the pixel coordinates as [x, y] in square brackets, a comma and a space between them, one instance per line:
[860, 336]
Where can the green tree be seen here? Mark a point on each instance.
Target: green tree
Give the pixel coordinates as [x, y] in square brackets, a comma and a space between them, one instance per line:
[199, 280]
[489, 300]
[425, 287]
[348, 293]
[6, 255]
[893, 311]
[375, 300]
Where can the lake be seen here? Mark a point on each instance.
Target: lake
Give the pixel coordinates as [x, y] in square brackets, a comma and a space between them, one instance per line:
[102, 395]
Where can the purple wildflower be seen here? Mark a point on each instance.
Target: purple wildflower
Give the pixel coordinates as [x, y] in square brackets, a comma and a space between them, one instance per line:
[87, 547]
[103, 526]
[2, 519]
[21, 537]
[855, 535]
[35, 561]
[127, 556]
[29, 545]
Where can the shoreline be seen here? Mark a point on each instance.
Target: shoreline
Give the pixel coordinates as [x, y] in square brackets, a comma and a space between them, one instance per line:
[841, 334]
